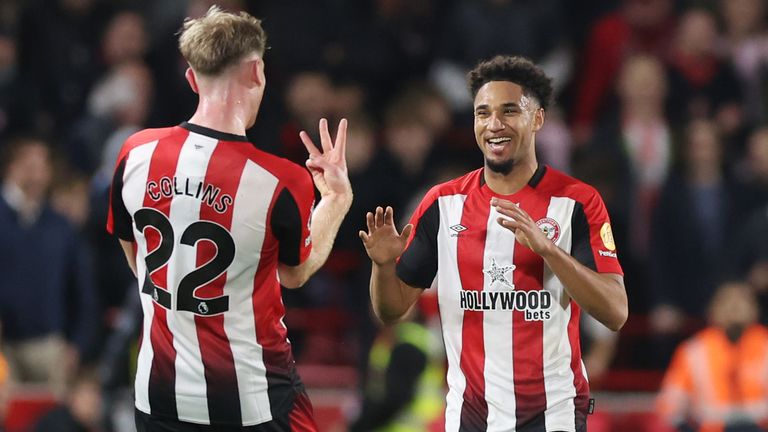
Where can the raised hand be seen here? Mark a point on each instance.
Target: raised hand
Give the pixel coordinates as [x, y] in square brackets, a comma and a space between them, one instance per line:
[329, 167]
[382, 241]
[520, 223]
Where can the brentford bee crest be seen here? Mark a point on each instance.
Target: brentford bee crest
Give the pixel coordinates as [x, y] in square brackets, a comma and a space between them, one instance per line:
[550, 228]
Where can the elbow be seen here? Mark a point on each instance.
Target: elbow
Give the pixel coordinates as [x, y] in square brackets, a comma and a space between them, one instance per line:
[619, 319]
[293, 280]
[387, 317]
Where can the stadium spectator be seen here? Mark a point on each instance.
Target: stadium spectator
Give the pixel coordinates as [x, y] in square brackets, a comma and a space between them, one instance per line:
[745, 43]
[125, 39]
[308, 98]
[748, 257]
[639, 140]
[753, 172]
[81, 409]
[499, 272]
[47, 303]
[58, 58]
[404, 385]
[214, 351]
[118, 106]
[717, 380]
[690, 227]
[701, 83]
[638, 27]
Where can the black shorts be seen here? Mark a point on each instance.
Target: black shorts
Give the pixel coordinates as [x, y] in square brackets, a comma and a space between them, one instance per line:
[299, 419]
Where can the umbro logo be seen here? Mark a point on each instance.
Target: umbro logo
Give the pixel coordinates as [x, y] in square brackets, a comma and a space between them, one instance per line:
[458, 228]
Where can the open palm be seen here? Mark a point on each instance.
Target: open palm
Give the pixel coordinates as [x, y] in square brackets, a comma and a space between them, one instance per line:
[382, 241]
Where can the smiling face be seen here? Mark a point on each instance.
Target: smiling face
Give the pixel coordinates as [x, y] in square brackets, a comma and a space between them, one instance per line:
[505, 123]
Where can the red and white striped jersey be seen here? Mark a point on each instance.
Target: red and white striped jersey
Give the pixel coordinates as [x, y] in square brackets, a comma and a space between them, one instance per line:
[511, 331]
[211, 216]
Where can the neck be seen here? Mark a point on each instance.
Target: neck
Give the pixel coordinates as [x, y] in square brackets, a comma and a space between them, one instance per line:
[506, 184]
[222, 108]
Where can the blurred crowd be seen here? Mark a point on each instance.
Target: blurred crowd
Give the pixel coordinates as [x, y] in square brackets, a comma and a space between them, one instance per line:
[661, 104]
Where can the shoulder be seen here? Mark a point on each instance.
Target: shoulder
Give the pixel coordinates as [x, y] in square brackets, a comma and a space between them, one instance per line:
[287, 173]
[459, 186]
[145, 136]
[557, 183]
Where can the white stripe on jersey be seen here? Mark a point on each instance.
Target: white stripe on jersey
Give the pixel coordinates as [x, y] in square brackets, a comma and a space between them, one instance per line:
[499, 373]
[558, 377]
[135, 177]
[190, 373]
[239, 321]
[452, 206]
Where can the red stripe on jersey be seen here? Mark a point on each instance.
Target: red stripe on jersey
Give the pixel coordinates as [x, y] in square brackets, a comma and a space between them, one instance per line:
[474, 411]
[225, 171]
[162, 378]
[528, 336]
[579, 380]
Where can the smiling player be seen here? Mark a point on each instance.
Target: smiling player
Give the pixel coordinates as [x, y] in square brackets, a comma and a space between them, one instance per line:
[517, 249]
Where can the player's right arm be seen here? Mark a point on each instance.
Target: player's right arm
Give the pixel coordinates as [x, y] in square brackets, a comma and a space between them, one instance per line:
[329, 173]
[391, 297]
[129, 248]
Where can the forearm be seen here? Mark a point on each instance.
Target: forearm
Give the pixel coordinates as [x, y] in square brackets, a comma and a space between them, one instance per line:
[326, 220]
[602, 296]
[389, 297]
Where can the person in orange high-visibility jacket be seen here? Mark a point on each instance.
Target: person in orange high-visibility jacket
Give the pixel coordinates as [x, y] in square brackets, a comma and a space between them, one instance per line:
[718, 379]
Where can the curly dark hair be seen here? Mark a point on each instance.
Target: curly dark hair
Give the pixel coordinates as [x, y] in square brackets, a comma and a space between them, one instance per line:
[516, 69]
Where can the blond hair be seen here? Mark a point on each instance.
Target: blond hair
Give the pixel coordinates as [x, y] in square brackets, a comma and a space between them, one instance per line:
[220, 39]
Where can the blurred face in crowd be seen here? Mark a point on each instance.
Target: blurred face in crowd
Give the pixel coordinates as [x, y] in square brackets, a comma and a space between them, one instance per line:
[85, 402]
[697, 33]
[360, 137]
[505, 122]
[703, 146]
[644, 14]
[309, 97]
[125, 38]
[31, 170]
[742, 17]
[71, 199]
[733, 308]
[758, 152]
[643, 81]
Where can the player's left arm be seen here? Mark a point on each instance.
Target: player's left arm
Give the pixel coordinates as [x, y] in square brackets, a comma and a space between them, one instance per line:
[602, 295]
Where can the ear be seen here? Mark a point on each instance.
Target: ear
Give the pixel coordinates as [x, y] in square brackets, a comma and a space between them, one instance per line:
[256, 72]
[538, 119]
[191, 79]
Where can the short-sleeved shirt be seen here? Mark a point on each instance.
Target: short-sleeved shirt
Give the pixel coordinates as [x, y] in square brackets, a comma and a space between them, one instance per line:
[211, 216]
[510, 328]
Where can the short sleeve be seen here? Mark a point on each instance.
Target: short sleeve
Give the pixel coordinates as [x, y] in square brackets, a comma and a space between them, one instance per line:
[593, 243]
[291, 219]
[417, 266]
[119, 221]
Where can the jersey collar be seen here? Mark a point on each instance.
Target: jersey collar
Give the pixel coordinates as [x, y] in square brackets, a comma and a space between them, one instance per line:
[534, 181]
[221, 136]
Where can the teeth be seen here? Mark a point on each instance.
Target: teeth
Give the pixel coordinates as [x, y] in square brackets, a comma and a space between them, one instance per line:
[499, 140]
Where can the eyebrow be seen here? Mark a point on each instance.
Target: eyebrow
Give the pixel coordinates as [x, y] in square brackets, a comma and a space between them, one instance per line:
[504, 105]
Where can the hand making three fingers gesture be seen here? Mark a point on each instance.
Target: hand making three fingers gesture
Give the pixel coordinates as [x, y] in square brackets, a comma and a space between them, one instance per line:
[329, 166]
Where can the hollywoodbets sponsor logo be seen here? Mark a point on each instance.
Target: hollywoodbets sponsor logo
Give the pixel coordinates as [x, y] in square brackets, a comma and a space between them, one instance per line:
[534, 304]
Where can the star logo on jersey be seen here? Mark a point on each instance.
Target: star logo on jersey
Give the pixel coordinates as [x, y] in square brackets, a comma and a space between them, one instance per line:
[498, 274]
